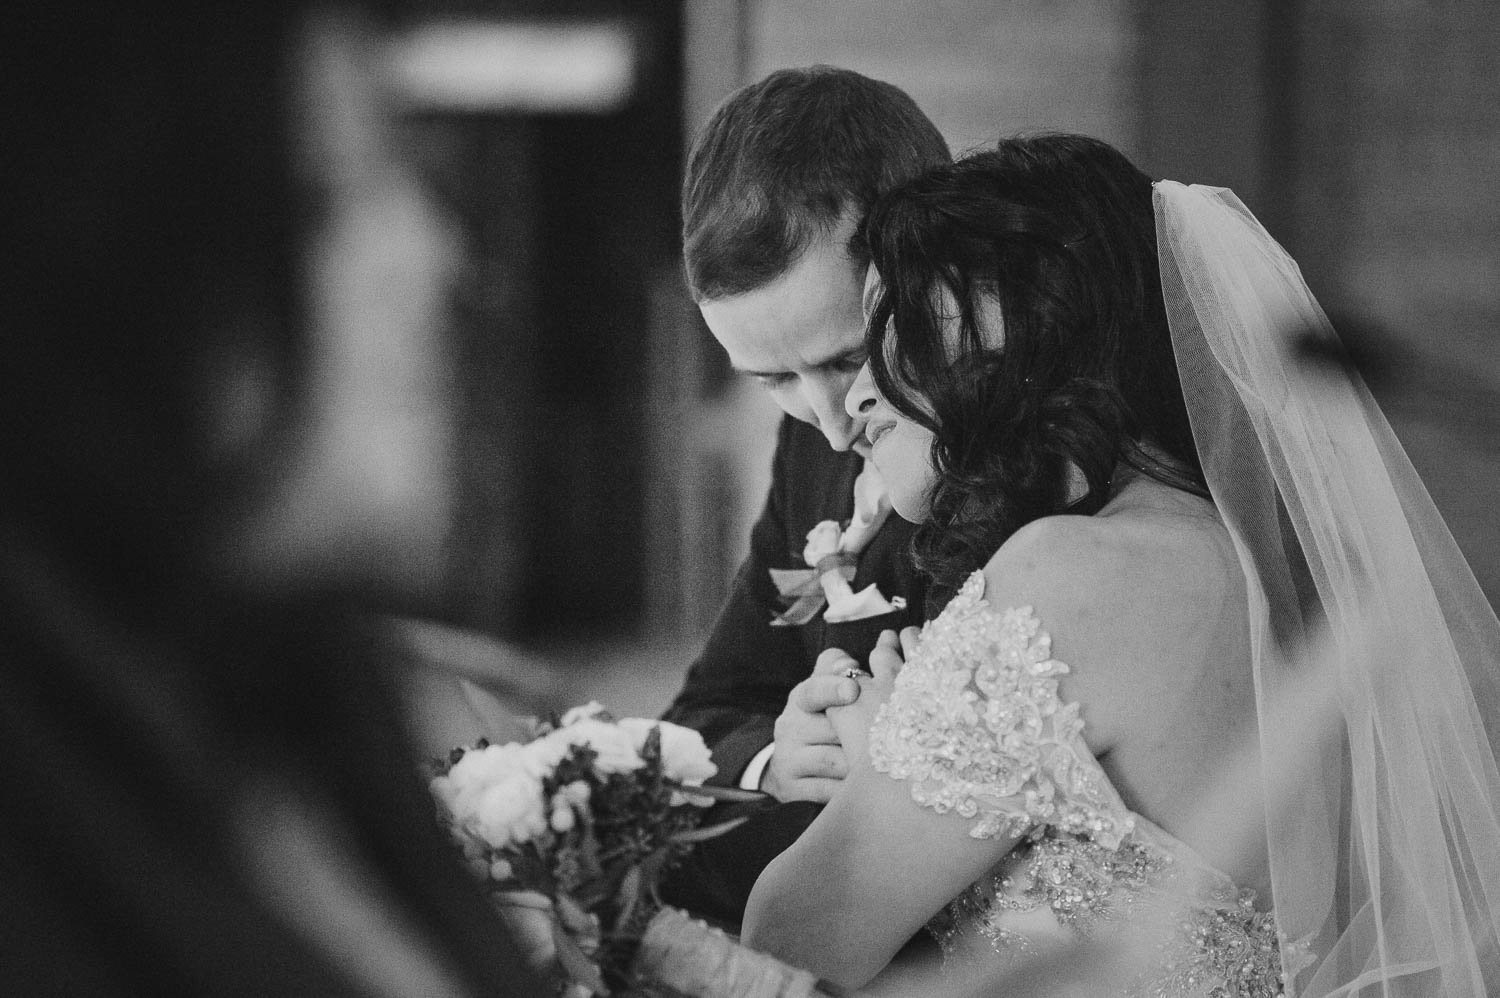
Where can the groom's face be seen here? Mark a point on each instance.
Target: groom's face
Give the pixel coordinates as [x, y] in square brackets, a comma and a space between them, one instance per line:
[802, 337]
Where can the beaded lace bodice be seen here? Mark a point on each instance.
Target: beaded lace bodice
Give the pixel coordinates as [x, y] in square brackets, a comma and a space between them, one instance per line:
[976, 725]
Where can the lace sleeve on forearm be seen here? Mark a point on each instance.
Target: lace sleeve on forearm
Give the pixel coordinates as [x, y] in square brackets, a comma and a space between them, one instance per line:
[976, 725]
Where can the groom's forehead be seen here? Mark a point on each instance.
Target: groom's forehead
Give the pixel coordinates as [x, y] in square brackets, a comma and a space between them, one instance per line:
[764, 352]
[821, 355]
[822, 287]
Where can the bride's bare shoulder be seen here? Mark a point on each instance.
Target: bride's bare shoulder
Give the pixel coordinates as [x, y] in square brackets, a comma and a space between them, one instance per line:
[1148, 539]
[1135, 598]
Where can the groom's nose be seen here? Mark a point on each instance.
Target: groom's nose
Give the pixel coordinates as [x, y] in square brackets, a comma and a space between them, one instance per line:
[861, 397]
[825, 400]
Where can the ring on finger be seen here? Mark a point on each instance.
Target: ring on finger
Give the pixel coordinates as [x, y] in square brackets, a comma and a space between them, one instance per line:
[855, 673]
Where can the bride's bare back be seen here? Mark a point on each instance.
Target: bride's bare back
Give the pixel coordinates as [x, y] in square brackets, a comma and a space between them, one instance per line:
[1146, 603]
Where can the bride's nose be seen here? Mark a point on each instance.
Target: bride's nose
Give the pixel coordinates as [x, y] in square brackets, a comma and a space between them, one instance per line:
[861, 398]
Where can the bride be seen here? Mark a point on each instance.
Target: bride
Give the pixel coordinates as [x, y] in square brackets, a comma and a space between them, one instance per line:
[1205, 715]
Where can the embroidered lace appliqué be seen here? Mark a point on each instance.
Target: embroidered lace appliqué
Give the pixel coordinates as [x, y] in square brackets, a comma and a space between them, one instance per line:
[976, 725]
[1217, 944]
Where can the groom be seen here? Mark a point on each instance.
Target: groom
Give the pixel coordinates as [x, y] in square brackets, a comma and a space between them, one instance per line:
[776, 186]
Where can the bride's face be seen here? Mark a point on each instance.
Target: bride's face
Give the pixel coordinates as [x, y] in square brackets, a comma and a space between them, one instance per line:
[900, 448]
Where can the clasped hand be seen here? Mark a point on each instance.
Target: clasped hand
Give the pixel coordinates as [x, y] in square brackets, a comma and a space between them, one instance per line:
[827, 716]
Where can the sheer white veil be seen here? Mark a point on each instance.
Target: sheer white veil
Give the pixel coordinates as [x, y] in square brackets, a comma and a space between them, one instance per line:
[1377, 656]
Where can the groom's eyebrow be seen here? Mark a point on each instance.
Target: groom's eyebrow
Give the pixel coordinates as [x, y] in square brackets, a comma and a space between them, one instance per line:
[842, 356]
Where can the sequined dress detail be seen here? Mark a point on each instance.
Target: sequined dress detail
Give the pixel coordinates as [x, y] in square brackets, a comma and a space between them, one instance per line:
[976, 726]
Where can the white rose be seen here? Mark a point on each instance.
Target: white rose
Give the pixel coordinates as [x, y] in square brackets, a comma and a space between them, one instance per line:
[540, 757]
[493, 795]
[615, 748]
[510, 811]
[576, 793]
[480, 765]
[687, 758]
[589, 711]
[446, 792]
[822, 541]
[684, 756]
[563, 819]
[476, 770]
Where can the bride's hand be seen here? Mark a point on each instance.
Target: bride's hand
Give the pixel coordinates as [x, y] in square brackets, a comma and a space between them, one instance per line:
[852, 722]
[807, 762]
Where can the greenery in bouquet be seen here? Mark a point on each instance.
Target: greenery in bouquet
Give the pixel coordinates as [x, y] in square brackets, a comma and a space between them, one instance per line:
[574, 828]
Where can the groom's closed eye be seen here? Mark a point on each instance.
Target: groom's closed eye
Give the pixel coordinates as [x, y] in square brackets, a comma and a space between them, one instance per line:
[845, 363]
[848, 362]
[851, 362]
[772, 380]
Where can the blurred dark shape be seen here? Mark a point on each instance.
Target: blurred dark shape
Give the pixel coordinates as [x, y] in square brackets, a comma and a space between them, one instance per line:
[1447, 416]
[565, 367]
[1410, 382]
[202, 766]
[716, 877]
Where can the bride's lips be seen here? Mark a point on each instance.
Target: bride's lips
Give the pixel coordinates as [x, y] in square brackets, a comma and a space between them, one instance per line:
[874, 431]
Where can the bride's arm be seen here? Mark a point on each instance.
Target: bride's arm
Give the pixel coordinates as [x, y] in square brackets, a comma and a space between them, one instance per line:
[876, 865]
[864, 878]
[872, 868]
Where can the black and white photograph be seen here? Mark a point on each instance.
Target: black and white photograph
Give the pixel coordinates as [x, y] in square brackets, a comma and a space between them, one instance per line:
[750, 499]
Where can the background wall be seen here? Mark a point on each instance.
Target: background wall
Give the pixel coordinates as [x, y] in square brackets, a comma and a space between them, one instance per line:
[1392, 202]
[1364, 133]
[980, 69]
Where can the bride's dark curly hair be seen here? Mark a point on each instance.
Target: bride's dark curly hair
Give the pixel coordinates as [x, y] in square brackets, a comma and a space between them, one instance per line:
[1059, 231]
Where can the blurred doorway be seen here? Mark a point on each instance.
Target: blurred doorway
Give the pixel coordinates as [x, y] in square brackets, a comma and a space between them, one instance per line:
[553, 134]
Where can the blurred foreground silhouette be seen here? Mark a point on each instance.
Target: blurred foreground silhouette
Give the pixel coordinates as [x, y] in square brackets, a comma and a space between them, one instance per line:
[219, 461]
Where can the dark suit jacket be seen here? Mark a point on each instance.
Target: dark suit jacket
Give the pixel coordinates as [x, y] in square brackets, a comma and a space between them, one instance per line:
[740, 682]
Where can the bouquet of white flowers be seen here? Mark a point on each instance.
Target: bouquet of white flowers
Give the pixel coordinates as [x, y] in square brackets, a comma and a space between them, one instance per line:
[574, 829]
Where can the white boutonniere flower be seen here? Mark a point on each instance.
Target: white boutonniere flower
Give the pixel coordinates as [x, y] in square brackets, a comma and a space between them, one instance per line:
[832, 554]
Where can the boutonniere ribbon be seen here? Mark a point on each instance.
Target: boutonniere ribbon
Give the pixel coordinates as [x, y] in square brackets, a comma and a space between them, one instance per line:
[832, 554]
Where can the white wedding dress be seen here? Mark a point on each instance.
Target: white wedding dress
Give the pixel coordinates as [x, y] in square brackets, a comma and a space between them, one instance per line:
[1375, 660]
[975, 724]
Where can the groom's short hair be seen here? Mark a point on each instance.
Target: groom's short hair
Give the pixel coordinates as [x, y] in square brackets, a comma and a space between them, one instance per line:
[783, 160]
